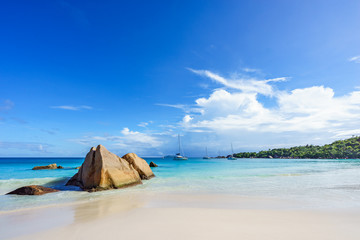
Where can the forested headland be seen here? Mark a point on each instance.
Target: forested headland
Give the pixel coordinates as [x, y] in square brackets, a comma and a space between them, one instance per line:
[345, 149]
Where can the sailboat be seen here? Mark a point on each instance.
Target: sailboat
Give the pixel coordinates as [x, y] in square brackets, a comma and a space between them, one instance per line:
[207, 156]
[178, 155]
[232, 155]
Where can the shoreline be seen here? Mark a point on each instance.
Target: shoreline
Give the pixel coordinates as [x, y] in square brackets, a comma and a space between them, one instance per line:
[197, 216]
[169, 195]
[196, 200]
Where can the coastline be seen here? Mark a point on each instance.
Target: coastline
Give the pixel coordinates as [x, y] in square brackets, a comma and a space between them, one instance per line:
[183, 216]
[196, 199]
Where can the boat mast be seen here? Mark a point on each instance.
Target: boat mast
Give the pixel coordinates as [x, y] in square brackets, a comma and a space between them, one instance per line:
[179, 144]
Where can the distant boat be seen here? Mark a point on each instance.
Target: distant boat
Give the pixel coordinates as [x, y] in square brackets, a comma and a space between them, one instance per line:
[206, 156]
[231, 157]
[178, 155]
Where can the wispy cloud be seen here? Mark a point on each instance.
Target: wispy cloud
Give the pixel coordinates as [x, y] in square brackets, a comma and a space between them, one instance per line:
[250, 70]
[72, 108]
[279, 79]
[179, 106]
[6, 105]
[355, 59]
[249, 85]
[185, 108]
[145, 124]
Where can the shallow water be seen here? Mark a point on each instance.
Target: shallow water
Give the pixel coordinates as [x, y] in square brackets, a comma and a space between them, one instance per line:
[316, 183]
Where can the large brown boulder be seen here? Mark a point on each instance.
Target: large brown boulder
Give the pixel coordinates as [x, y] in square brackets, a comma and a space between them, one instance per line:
[140, 165]
[33, 190]
[50, 166]
[104, 170]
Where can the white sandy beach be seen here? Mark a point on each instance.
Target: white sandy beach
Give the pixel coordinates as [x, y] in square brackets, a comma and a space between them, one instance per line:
[177, 216]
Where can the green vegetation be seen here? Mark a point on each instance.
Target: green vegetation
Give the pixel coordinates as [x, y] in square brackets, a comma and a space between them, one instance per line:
[344, 149]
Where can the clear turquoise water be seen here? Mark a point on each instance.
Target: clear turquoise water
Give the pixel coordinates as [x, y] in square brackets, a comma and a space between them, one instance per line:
[315, 183]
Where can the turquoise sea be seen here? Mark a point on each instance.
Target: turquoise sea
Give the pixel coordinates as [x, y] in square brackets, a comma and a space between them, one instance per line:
[315, 183]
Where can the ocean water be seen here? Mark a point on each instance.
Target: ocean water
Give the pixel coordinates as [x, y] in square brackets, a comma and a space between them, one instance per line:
[315, 183]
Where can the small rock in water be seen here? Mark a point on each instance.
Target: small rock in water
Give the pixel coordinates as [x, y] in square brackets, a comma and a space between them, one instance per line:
[152, 164]
[32, 190]
[50, 166]
[60, 167]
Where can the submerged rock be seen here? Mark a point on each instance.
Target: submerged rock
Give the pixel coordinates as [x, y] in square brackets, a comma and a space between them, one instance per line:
[152, 164]
[50, 166]
[140, 165]
[33, 190]
[104, 170]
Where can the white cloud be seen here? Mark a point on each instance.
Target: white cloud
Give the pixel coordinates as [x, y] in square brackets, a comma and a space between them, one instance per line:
[247, 85]
[187, 118]
[185, 108]
[179, 106]
[308, 110]
[126, 141]
[355, 59]
[138, 137]
[73, 108]
[145, 124]
[250, 70]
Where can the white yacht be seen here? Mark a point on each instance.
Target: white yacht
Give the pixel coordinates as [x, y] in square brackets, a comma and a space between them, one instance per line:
[178, 155]
[232, 155]
[206, 156]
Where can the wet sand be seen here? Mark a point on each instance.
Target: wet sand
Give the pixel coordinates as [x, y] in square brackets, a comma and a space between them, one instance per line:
[180, 216]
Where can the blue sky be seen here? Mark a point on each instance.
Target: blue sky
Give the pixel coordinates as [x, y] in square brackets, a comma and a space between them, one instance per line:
[133, 75]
